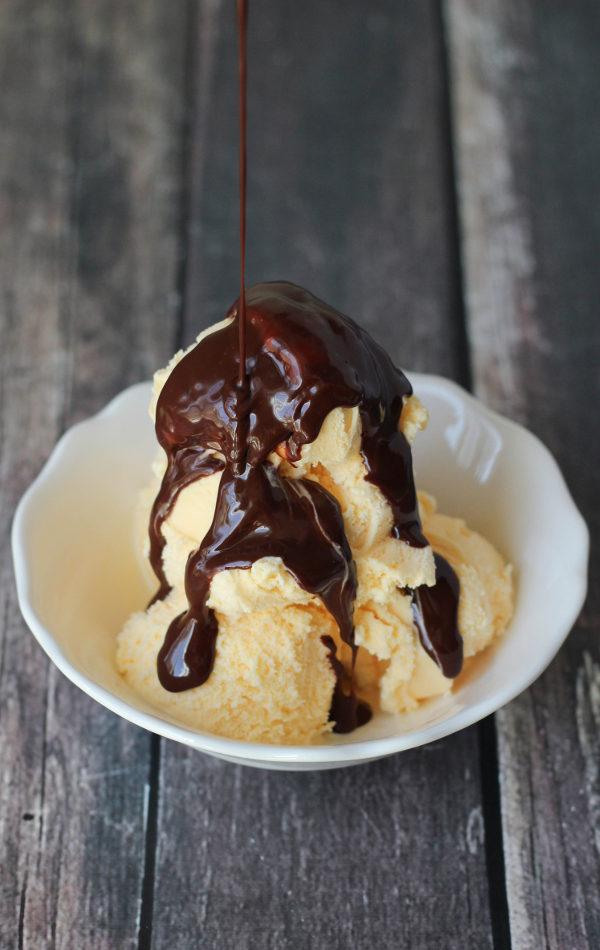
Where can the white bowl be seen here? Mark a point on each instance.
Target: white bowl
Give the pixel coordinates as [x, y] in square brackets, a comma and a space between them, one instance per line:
[79, 576]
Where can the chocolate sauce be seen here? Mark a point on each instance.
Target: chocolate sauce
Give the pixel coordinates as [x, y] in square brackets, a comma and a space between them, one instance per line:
[303, 359]
[347, 710]
[435, 610]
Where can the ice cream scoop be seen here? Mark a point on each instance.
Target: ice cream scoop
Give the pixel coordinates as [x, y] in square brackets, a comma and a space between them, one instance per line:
[285, 532]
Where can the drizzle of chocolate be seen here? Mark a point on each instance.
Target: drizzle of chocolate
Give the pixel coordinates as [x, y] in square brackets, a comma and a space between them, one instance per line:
[435, 612]
[303, 359]
[347, 710]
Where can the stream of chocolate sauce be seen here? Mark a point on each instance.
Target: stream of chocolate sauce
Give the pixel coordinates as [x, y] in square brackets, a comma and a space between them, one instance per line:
[242, 22]
[265, 382]
[435, 612]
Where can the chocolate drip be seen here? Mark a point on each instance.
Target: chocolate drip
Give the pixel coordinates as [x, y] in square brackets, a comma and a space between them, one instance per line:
[347, 711]
[435, 610]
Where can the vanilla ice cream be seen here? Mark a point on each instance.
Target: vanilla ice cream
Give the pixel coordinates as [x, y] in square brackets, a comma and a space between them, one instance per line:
[272, 678]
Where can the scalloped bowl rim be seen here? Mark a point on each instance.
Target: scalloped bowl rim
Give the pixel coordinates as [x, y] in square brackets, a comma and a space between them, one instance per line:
[311, 756]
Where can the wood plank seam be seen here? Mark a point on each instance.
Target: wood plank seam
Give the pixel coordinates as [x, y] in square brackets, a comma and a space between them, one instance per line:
[487, 746]
[146, 917]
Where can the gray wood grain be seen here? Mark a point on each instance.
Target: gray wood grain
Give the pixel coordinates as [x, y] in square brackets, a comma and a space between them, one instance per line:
[347, 195]
[526, 93]
[90, 138]
[388, 855]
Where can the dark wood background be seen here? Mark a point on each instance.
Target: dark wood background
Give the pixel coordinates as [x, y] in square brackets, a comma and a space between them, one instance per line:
[434, 170]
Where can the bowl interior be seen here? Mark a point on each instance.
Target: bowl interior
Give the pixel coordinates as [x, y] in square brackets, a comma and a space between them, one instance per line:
[80, 576]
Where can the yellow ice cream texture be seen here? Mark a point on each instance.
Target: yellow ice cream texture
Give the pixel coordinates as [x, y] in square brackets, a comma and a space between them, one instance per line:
[272, 680]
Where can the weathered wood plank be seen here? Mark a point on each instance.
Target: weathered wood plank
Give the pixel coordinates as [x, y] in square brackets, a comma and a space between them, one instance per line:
[388, 855]
[90, 137]
[526, 92]
[347, 195]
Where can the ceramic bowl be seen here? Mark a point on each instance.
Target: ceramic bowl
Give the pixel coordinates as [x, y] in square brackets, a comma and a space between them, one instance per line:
[79, 574]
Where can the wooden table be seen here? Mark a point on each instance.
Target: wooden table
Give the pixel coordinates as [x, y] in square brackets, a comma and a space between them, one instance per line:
[433, 171]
